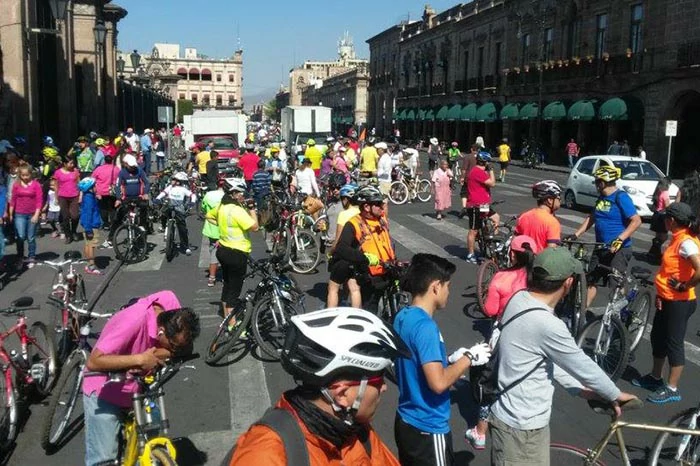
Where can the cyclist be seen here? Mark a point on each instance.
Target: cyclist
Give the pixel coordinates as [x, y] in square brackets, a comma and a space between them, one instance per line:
[453, 155]
[84, 156]
[340, 274]
[615, 219]
[180, 198]
[141, 336]
[364, 243]
[540, 223]
[236, 218]
[338, 395]
[132, 185]
[368, 160]
[503, 159]
[210, 203]
[480, 180]
[313, 154]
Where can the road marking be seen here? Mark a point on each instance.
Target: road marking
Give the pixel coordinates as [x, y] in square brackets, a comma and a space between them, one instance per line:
[204, 253]
[449, 228]
[155, 256]
[415, 242]
[692, 352]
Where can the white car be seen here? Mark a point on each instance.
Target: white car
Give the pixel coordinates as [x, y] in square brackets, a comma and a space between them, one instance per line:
[639, 179]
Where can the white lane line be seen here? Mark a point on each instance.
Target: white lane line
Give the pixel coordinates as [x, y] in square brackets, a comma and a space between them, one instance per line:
[692, 352]
[155, 256]
[204, 253]
[450, 229]
[415, 242]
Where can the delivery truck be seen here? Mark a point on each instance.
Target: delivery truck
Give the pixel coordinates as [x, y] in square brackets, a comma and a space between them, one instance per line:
[301, 123]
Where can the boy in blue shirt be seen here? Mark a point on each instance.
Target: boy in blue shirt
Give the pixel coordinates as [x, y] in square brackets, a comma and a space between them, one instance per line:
[91, 221]
[422, 425]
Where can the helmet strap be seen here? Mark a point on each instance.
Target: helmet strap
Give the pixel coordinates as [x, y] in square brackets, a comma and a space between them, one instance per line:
[347, 414]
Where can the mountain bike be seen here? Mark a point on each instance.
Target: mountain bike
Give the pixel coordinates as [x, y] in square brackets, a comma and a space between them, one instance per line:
[676, 448]
[494, 243]
[407, 188]
[170, 213]
[59, 419]
[610, 338]
[292, 240]
[130, 245]
[144, 433]
[32, 371]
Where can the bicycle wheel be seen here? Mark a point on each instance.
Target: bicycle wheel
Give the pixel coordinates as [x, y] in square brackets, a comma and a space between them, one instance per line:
[424, 191]
[41, 354]
[169, 240]
[560, 454]
[226, 337]
[280, 243]
[129, 244]
[670, 448]
[575, 305]
[637, 316]
[484, 275]
[398, 192]
[64, 333]
[161, 457]
[607, 345]
[9, 413]
[304, 251]
[270, 324]
[63, 403]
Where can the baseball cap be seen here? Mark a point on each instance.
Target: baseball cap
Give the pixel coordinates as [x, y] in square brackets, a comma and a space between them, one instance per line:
[129, 160]
[381, 145]
[519, 242]
[558, 263]
[680, 211]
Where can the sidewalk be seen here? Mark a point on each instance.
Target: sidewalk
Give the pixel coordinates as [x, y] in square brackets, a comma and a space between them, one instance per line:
[544, 166]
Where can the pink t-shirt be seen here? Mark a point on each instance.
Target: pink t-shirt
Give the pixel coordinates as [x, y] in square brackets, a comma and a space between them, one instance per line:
[572, 148]
[27, 199]
[132, 330]
[67, 182]
[664, 199]
[478, 192]
[504, 285]
[105, 176]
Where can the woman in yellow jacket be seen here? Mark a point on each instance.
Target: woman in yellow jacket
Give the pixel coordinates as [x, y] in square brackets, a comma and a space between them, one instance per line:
[675, 303]
[235, 223]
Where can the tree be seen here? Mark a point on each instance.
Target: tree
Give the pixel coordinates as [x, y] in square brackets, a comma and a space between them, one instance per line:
[184, 107]
[270, 110]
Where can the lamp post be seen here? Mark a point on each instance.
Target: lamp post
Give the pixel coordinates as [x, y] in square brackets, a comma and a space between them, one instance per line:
[120, 69]
[135, 60]
[100, 32]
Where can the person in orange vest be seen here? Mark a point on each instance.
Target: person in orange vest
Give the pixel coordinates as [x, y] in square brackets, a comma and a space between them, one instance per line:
[676, 301]
[364, 245]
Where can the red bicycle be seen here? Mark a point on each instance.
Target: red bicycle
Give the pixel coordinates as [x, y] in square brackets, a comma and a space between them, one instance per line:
[32, 371]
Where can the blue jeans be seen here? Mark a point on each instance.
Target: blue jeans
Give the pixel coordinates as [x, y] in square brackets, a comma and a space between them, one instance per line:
[571, 161]
[102, 424]
[26, 231]
[160, 163]
[147, 161]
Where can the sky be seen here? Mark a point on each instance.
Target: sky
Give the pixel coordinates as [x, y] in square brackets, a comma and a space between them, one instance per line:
[275, 35]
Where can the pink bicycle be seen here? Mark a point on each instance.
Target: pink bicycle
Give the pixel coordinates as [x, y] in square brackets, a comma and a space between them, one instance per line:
[30, 372]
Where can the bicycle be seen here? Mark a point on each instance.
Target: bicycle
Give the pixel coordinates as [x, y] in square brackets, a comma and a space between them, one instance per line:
[408, 188]
[59, 418]
[563, 454]
[299, 245]
[683, 448]
[130, 245]
[609, 339]
[170, 213]
[34, 368]
[144, 433]
[496, 250]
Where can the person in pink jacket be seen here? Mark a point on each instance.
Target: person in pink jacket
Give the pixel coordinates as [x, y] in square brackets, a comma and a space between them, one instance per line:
[105, 178]
[25, 207]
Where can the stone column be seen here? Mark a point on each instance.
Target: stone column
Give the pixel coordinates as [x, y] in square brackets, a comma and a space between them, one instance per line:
[110, 78]
[87, 66]
[65, 75]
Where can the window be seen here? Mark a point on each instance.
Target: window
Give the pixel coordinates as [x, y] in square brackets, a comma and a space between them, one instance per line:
[497, 58]
[231, 101]
[466, 66]
[525, 57]
[601, 35]
[585, 166]
[182, 97]
[548, 34]
[573, 32]
[218, 78]
[636, 28]
[194, 99]
[219, 100]
[230, 78]
[205, 99]
[480, 63]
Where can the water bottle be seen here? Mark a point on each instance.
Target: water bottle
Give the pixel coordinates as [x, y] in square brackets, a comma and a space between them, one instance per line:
[619, 305]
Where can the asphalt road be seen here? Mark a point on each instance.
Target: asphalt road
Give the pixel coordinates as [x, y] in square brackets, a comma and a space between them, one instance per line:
[210, 406]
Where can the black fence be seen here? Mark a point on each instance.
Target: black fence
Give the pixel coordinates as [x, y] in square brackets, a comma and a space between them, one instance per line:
[137, 106]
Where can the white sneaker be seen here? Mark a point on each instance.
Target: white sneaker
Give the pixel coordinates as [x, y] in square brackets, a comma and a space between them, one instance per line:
[106, 245]
[188, 251]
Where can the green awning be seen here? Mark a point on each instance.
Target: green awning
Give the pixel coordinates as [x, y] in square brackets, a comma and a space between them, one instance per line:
[430, 114]
[402, 115]
[411, 114]
[348, 120]
[621, 109]
[554, 111]
[442, 113]
[529, 111]
[421, 114]
[334, 119]
[487, 112]
[582, 110]
[453, 113]
[468, 113]
[510, 112]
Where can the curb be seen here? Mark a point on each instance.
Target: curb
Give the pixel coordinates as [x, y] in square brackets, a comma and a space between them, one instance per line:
[551, 168]
[97, 294]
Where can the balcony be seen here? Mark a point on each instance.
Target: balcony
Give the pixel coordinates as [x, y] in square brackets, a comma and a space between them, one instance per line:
[473, 85]
[458, 86]
[438, 89]
[689, 55]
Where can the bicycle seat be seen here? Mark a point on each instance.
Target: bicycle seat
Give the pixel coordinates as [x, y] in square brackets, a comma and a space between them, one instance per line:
[640, 273]
[72, 255]
[24, 301]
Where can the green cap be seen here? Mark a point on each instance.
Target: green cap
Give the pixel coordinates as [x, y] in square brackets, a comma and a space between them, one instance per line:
[558, 262]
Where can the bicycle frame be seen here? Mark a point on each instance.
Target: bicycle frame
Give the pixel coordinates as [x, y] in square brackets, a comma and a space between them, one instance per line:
[20, 329]
[138, 444]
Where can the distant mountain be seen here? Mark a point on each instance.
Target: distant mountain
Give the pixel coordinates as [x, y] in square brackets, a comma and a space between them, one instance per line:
[260, 97]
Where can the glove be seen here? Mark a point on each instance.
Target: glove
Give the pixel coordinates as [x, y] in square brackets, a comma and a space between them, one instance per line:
[372, 259]
[479, 354]
[570, 238]
[250, 204]
[615, 245]
[456, 356]
[677, 285]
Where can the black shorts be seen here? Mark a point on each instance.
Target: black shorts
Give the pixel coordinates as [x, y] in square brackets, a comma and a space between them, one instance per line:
[504, 165]
[422, 448]
[657, 223]
[463, 191]
[340, 271]
[617, 261]
[474, 219]
[432, 164]
[668, 332]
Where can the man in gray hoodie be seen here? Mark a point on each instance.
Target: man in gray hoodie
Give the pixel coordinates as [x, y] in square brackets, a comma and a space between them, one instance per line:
[540, 349]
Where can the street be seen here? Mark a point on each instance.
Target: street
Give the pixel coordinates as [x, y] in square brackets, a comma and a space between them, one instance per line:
[210, 406]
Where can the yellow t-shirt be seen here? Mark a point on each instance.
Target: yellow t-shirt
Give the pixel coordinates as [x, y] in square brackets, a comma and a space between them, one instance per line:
[504, 153]
[346, 215]
[314, 154]
[369, 158]
[234, 224]
[350, 157]
[201, 160]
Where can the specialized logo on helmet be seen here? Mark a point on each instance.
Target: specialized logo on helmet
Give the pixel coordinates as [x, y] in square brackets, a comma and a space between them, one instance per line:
[360, 362]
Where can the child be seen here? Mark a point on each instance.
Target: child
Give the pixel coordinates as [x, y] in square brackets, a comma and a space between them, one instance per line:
[180, 198]
[91, 221]
[261, 182]
[53, 211]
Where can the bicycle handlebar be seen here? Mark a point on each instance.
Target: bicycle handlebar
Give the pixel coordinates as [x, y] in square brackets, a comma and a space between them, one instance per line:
[87, 313]
[585, 243]
[16, 310]
[60, 264]
[608, 407]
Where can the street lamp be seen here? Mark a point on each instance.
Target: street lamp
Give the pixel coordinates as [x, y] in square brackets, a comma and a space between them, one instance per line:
[100, 31]
[135, 60]
[120, 66]
[58, 8]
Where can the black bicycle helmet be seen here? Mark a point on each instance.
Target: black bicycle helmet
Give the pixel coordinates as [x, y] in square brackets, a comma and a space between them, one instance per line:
[336, 180]
[368, 195]
[546, 189]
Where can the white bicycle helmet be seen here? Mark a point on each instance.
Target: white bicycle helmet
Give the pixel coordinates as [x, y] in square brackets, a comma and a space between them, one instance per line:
[546, 189]
[181, 176]
[235, 184]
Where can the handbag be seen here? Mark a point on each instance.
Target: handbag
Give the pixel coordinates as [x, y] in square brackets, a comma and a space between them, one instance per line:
[112, 184]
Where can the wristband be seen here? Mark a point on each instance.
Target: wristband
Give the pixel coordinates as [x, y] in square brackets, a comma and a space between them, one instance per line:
[469, 355]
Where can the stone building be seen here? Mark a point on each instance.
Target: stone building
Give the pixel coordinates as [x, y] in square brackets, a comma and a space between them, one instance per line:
[594, 70]
[58, 69]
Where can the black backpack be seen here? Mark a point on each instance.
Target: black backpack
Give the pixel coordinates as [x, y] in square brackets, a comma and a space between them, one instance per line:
[484, 379]
[283, 423]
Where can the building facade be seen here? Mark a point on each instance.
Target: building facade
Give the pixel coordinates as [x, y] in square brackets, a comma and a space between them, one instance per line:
[594, 70]
[58, 74]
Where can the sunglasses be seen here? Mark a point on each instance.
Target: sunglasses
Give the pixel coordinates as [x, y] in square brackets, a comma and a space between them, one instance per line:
[377, 382]
[378, 204]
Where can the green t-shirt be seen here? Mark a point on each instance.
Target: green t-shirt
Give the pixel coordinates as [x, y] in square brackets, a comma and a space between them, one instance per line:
[210, 202]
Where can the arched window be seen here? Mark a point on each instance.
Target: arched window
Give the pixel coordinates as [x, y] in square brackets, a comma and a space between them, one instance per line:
[194, 74]
[182, 72]
[206, 74]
